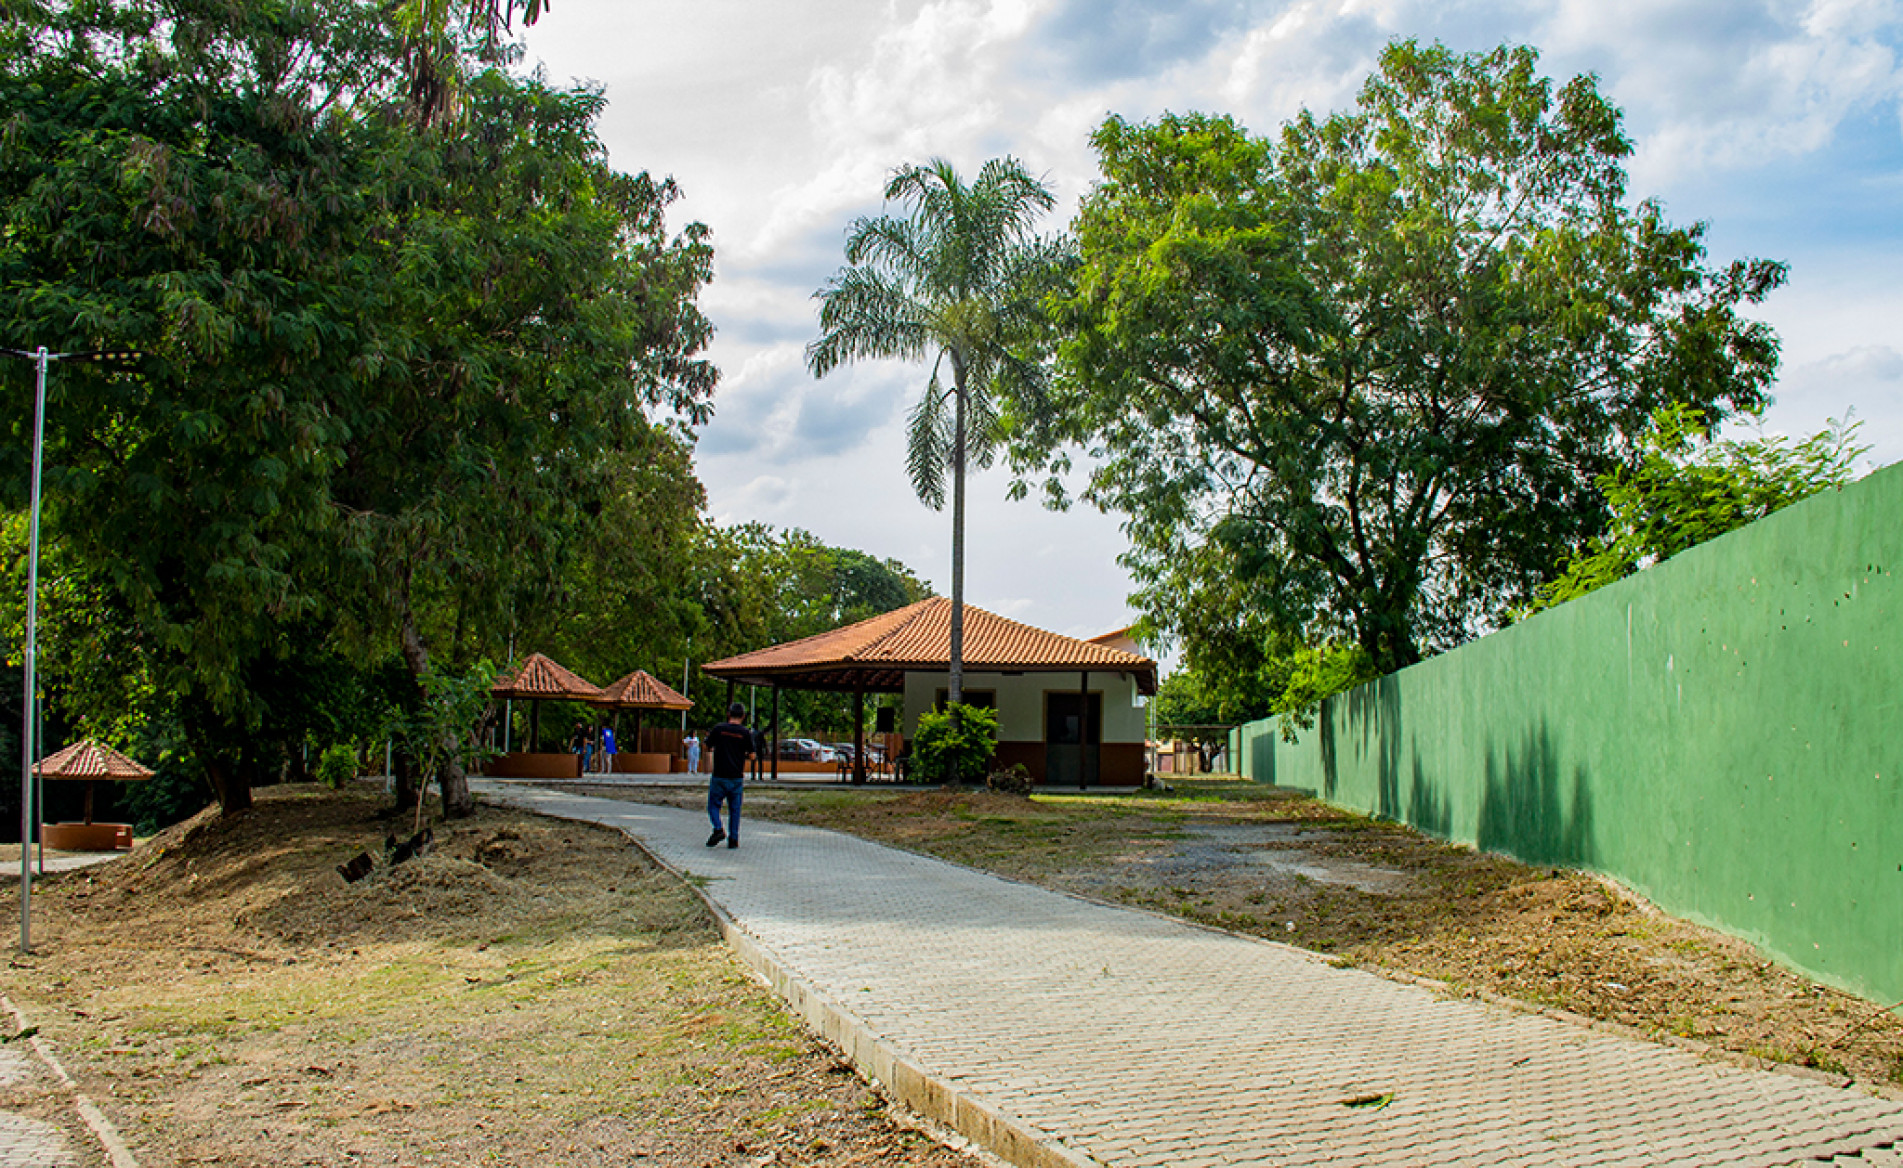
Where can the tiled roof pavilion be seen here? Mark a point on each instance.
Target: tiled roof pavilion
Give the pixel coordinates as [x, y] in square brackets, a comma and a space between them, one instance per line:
[87, 759]
[641, 690]
[876, 654]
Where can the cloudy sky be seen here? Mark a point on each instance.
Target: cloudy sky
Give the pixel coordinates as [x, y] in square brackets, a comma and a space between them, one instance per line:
[1779, 124]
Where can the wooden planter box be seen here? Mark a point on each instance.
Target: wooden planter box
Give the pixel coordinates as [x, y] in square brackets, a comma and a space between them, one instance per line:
[87, 837]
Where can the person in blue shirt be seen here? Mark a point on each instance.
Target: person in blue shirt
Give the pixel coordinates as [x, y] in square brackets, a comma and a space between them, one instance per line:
[607, 749]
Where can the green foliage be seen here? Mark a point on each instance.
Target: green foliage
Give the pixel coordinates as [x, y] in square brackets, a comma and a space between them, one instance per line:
[958, 278]
[957, 742]
[449, 724]
[1687, 488]
[336, 766]
[395, 370]
[1359, 382]
[1280, 676]
[945, 280]
[1308, 674]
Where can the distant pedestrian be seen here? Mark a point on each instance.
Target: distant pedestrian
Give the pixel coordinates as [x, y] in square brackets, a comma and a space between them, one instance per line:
[693, 754]
[607, 749]
[732, 745]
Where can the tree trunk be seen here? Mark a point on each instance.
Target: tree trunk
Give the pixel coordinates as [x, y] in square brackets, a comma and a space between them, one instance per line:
[457, 801]
[231, 784]
[403, 779]
[230, 780]
[956, 684]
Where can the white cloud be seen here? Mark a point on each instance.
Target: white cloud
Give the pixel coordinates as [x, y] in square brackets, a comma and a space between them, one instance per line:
[1722, 84]
[1863, 384]
[783, 121]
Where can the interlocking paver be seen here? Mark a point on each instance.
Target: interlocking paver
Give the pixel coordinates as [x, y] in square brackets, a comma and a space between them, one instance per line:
[1081, 1022]
[26, 1142]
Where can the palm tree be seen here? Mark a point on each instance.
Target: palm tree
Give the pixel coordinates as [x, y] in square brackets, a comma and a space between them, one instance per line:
[949, 278]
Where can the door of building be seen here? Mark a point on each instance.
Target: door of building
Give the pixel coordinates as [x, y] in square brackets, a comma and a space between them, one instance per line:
[1073, 731]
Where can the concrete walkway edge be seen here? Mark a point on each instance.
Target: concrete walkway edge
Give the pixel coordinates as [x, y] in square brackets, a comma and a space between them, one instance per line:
[937, 1099]
[101, 1127]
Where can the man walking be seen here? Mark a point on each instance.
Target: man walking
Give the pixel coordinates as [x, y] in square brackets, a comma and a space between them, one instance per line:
[731, 744]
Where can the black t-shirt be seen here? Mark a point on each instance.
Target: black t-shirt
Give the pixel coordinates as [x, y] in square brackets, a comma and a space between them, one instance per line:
[730, 743]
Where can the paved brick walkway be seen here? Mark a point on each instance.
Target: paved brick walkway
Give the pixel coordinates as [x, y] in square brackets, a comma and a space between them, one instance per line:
[27, 1142]
[1063, 1032]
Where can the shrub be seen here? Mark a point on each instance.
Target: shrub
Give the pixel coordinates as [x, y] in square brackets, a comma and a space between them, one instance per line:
[956, 742]
[336, 766]
[1012, 780]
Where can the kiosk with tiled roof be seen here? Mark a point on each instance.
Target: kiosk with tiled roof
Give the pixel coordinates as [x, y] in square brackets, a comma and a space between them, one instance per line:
[641, 691]
[1062, 731]
[91, 762]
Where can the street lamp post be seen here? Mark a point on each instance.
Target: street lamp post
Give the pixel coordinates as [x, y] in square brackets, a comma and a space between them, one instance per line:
[41, 359]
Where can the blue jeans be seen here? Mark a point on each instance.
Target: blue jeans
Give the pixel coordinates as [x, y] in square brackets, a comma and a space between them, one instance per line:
[726, 791]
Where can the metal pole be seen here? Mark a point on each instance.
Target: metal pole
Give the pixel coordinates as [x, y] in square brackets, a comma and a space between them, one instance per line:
[32, 633]
[686, 660]
[39, 783]
[508, 704]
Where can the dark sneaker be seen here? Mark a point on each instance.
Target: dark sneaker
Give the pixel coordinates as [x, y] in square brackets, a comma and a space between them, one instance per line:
[716, 837]
[733, 843]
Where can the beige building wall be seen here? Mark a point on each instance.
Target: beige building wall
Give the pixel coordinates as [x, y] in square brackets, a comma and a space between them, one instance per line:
[1020, 701]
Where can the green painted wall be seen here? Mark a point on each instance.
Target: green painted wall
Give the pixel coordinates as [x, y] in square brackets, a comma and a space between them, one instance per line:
[1720, 733]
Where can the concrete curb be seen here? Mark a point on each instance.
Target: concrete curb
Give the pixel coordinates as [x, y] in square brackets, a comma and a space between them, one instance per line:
[940, 1100]
[937, 1099]
[95, 1119]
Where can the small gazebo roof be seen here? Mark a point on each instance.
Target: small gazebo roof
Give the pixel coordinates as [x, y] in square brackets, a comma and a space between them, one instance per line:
[87, 759]
[876, 654]
[540, 677]
[641, 690]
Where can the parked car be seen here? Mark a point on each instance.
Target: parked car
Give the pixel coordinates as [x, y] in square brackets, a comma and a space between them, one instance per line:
[803, 750]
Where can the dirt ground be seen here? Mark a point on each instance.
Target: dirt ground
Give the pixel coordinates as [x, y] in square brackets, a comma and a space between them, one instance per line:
[1279, 865]
[528, 992]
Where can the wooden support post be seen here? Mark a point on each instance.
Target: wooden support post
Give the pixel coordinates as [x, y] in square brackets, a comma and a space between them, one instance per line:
[859, 729]
[1083, 730]
[773, 741]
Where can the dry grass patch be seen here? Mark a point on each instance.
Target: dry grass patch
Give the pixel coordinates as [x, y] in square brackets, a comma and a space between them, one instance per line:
[531, 991]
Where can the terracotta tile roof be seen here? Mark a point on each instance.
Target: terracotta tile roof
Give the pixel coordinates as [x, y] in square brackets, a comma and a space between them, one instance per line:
[917, 638]
[540, 677]
[641, 690]
[87, 759]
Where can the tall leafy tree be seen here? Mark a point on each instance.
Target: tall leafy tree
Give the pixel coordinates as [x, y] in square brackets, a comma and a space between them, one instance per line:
[537, 310]
[951, 278]
[394, 370]
[1380, 361]
[191, 182]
